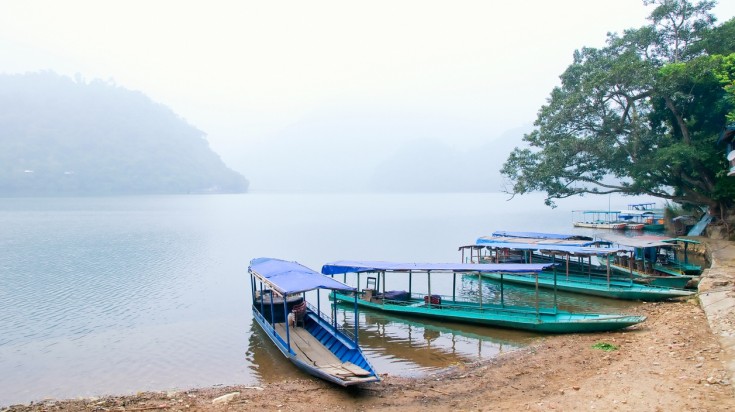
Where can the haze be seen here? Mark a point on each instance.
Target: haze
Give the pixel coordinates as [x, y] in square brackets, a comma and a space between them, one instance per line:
[330, 95]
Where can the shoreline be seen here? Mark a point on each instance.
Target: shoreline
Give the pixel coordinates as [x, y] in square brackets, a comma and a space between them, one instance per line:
[681, 358]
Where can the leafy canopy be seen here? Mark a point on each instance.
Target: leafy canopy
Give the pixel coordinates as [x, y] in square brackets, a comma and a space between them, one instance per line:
[639, 116]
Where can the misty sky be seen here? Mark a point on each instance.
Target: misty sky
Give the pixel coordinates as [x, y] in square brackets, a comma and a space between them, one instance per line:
[302, 93]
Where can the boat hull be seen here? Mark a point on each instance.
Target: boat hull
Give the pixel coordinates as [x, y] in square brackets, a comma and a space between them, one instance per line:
[593, 225]
[617, 289]
[542, 321]
[324, 339]
[669, 280]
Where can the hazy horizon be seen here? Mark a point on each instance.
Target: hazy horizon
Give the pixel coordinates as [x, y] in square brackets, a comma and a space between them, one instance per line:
[318, 96]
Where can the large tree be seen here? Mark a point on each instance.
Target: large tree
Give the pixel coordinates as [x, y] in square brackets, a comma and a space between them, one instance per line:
[639, 116]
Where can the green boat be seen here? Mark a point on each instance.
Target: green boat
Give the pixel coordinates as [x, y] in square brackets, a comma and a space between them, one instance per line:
[647, 260]
[450, 308]
[574, 272]
[615, 289]
[655, 259]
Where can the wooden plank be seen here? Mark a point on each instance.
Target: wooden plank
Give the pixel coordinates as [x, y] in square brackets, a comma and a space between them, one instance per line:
[355, 369]
[310, 350]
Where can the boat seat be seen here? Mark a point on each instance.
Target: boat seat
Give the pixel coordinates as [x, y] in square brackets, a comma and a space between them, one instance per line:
[299, 313]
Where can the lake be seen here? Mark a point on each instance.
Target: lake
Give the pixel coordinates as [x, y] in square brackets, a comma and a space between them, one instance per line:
[118, 295]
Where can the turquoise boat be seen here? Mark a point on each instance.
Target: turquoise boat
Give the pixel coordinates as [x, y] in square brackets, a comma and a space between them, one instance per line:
[451, 308]
[308, 338]
[655, 259]
[648, 260]
[574, 272]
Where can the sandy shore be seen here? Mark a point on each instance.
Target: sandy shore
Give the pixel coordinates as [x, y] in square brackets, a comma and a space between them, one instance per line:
[680, 359]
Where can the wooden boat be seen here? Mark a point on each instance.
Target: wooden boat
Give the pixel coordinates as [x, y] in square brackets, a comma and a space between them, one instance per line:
[575, 273]
[643, 219]
[598, 219]
[627, 262]
[655, 259]
[648, 214]
[451, 308]
[311, 340]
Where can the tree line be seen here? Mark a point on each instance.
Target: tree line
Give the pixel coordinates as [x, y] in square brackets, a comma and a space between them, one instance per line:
[640, 116]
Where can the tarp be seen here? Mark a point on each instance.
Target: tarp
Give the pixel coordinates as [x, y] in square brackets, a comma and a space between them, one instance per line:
[351, 266]
[539, 235]
[574, 250]
[292, 277]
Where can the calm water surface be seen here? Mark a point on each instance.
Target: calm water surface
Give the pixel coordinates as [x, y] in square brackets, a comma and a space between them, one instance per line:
[119, 295]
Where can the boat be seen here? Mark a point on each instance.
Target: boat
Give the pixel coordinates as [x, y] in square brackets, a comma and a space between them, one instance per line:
[575, 272]
[643, 220]
[311, 340]
[656, 259]
[647, 214]
[476, 310]
[598, 219]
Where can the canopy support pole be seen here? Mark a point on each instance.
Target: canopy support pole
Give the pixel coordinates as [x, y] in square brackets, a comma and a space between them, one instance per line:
[428, 277]
[479, 286]
[410, 283]
[454, 286]
[555, 290]
[502, 297]
[288, 331]
[357, 318]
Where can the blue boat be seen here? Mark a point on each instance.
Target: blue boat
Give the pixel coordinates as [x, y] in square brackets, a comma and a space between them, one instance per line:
[312, 341]
[475, 309]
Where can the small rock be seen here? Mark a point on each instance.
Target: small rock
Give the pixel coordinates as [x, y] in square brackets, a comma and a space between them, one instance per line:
[576, 388]
[225, 398]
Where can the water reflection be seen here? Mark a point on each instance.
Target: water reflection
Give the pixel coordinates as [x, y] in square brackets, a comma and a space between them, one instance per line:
[407, 346]
[266, 362]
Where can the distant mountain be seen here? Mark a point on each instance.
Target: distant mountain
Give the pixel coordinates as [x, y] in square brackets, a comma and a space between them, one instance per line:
[429, 165]
[59, 136]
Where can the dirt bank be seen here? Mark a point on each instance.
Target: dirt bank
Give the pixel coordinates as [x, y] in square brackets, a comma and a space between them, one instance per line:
[673, 361]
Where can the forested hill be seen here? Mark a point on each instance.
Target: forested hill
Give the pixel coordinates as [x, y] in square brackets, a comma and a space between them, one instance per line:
[59, 136]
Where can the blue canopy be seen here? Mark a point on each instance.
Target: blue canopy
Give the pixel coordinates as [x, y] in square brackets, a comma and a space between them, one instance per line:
[292, 277]
[539, 235]
[571, 249]
[351, 266]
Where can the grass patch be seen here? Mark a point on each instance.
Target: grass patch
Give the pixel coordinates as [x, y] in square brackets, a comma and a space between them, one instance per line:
[607, 347]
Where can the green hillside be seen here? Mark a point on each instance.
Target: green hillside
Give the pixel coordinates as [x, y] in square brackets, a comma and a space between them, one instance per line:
[60, 137]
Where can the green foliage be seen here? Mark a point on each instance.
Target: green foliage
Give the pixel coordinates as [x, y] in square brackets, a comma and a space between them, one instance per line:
[607, 347]
[724, 72]
[639, 116]
[61, 137]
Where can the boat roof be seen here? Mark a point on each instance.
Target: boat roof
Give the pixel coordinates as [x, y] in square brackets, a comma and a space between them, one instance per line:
[292, 277]
[607, 212]
[353, 266]
[540, 241]
[637, 241]
[571, 249]
[539, 235]
[637, 213]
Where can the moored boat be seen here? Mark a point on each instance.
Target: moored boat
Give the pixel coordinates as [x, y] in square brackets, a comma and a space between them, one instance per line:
[655, 258]
[450, 307]
[575, 271]
[598, 219]
[308, 338]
